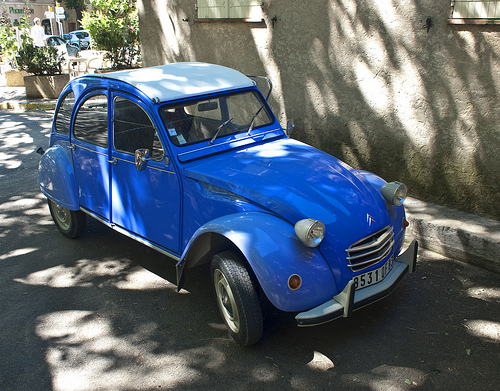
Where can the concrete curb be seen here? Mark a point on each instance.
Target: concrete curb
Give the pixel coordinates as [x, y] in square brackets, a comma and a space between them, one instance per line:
[14, 98]
[26, 106]
[459, 235]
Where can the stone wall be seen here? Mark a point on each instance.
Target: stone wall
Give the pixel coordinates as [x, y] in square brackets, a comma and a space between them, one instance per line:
[387, 86]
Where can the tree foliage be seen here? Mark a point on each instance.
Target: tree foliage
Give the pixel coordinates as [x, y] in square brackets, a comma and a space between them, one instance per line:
[114, 26]
[10, 39]
[73, 4]
[78, 6]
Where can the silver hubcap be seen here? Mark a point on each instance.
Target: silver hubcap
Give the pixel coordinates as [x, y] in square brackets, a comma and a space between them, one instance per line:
[62, 216]
[226, 301]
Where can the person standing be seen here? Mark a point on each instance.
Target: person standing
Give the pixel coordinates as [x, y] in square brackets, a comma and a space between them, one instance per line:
[38, 33]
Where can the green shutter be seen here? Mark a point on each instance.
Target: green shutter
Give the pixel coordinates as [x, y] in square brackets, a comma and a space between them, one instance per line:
[248, 9]
[212, 9]
[486, 9]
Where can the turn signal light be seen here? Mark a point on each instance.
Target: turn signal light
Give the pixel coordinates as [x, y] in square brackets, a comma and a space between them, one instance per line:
[294, 282]
[405, 223]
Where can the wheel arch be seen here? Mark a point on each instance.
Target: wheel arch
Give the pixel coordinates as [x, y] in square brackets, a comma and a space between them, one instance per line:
[201, 250]
[269, 247]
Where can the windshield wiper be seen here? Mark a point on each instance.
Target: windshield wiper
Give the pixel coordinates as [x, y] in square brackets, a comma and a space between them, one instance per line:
[216, 133]
[250, 128]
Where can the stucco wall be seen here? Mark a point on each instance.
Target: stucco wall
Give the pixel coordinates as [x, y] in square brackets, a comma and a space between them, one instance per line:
[366, 82]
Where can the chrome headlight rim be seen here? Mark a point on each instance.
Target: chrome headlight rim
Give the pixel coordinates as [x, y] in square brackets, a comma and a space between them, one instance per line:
[394, 192]
[310, 232]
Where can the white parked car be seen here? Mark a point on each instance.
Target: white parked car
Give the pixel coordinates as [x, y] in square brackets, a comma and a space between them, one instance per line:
[63, 49]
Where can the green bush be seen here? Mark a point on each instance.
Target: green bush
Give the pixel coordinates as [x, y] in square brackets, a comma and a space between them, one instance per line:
[39, 60]
[114, 27]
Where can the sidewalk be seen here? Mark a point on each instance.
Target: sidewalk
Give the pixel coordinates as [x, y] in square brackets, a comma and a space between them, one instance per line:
[14, 98]
[459, 235]
[456, 234]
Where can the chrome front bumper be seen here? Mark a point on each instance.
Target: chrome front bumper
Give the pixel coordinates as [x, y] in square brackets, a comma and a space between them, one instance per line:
[349, 300]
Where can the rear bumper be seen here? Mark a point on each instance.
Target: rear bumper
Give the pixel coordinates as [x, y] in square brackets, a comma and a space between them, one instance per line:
[349, 300]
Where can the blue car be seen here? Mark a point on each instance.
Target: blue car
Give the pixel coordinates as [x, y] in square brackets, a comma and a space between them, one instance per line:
[189, 159]
[79, 39]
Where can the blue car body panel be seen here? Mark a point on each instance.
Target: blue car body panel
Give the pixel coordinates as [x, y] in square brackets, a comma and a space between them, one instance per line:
[274, 252]
[296, 181]
[56, 177]
[246, 190]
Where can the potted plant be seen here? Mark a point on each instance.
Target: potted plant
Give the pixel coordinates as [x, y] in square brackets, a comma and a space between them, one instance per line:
[44, 63]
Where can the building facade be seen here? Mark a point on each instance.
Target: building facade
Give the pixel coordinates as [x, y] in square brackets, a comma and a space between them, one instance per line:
[408, 89]
[56, 24]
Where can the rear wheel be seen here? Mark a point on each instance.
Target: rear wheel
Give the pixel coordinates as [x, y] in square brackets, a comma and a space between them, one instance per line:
[71, 223]
[237, 298]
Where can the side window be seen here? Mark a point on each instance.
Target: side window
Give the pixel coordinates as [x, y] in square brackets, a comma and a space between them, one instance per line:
[133, 129]
[63, 115]
[91, 121]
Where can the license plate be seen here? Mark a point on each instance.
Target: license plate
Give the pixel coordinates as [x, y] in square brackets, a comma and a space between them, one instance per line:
[373, 277]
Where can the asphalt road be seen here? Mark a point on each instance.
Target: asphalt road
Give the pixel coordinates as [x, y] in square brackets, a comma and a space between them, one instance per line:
[102, 313]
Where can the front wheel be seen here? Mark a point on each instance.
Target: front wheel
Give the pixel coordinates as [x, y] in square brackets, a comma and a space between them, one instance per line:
[236, 298]
[71, 223]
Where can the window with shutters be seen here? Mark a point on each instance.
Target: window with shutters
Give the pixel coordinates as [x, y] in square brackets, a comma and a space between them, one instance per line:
[247, 10]
[475, 12]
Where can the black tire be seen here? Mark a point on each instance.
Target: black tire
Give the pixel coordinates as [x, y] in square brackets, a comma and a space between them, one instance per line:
[237, 298]
[71, 223]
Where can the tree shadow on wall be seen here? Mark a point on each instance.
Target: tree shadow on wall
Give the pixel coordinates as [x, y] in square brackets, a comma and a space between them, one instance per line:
[372, 85]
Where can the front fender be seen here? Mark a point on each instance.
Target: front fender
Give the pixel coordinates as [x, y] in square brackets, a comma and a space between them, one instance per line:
[56, 177]
[273, 252]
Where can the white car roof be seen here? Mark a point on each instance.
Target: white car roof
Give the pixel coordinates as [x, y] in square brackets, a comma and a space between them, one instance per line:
[181, 80]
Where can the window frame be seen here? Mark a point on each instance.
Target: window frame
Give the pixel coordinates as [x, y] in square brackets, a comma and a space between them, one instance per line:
[155, 128]
[474, 20]
[62, 109]
[81, 104]
[228, 18]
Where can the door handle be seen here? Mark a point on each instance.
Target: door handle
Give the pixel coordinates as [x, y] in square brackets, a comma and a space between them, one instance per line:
[114, 161]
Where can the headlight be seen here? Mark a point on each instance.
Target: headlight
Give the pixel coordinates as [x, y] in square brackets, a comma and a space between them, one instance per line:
[394, 193]
[310, 232]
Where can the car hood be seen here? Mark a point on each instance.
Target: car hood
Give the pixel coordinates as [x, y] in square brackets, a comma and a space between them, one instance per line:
[297, 181]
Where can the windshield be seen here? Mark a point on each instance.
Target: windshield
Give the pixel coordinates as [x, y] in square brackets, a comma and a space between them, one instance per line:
[207, 119]
[55, 41]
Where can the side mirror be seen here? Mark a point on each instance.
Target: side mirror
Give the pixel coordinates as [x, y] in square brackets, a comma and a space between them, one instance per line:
[141, 159]
[289, 127]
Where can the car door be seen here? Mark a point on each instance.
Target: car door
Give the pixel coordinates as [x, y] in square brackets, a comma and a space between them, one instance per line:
[90, 154]
[143, 202]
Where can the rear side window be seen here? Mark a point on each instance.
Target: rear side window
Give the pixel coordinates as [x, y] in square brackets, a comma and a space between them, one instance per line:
[91, 121]
[63, 115]
[133, 129]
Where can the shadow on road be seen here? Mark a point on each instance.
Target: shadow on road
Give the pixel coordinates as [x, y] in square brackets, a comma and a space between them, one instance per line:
[102, 312]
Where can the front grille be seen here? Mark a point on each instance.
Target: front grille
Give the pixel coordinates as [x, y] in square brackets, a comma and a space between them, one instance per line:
[370, 250]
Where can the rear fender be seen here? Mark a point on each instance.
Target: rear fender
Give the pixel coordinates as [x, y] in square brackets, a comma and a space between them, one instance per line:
[56, 177]
[272, 251]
